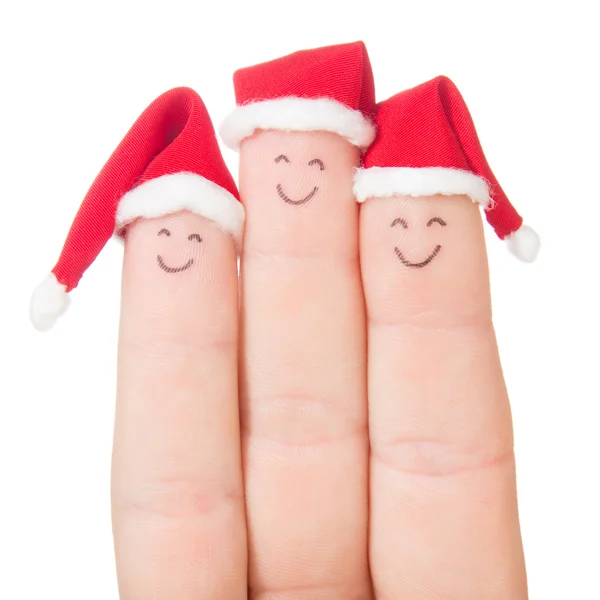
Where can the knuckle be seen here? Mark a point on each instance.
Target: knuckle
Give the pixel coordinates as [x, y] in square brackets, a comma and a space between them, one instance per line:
[301, 422]
[431, 458]
[173, 499]
[350, 590]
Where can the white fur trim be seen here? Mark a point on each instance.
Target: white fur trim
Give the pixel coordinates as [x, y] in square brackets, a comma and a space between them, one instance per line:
[380, 182]
[183, 191]
[524, 243]
[297, 114]
[48, 302]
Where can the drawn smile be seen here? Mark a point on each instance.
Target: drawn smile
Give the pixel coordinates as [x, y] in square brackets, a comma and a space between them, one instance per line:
[419, 265]
[167, 269]
[288, 200]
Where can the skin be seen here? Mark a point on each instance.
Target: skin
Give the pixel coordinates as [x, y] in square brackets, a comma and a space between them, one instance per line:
[177, 491]
[421, 504]
[443, 512]
[303, 392]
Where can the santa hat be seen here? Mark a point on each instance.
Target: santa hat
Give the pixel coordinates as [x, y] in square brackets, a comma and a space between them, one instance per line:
[169, 161]
[427, 145]
[324, 89]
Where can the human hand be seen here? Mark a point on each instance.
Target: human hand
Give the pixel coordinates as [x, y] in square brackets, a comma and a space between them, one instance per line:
[372, 454]
[341, 428]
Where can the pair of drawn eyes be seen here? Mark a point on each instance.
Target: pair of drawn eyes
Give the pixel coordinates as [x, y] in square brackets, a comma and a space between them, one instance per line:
[193, 236]
[314, 161]
[404, 224]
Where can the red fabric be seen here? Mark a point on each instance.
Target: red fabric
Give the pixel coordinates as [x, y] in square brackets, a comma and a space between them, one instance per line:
[430, 126]
[174, 134]
[341, 73]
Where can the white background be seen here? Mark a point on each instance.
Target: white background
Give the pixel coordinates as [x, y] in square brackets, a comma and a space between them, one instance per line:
[75, 75]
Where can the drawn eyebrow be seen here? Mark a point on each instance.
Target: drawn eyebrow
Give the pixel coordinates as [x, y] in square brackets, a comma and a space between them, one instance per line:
[399, 221]
[282, 157]
[436, 220]
[194, 236]
[164, 231]
[317, 161]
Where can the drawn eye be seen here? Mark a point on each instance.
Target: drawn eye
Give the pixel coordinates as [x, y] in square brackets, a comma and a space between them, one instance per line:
[194, 236]
[317, 161]
[282, 157]
[400, 221]
[164, 231]
[436, 220]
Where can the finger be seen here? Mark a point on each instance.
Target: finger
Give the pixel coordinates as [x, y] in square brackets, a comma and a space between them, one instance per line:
[177, 491]
[444, 520]
[304, 374]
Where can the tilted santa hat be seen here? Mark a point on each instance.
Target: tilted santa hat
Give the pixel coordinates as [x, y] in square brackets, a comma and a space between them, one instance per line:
[169, 161]
[323, 89]
[426, 145]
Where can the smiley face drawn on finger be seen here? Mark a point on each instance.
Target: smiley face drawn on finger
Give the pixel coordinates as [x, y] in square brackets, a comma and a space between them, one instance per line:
[194, 237]
[315, 162]
[436, 250]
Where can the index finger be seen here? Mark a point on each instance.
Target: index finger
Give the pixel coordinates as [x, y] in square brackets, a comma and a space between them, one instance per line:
[444, 519]
[443, 495]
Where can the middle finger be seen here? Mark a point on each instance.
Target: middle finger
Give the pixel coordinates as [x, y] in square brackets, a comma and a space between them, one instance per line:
[303, 119]
[303, 396]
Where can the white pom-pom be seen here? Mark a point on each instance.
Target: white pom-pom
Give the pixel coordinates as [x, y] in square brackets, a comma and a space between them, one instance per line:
[48, 302]
[524, 243]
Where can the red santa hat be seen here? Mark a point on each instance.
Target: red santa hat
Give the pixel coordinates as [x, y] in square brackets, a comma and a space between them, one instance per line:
[169, 161]
[427, 145]
[324, 89]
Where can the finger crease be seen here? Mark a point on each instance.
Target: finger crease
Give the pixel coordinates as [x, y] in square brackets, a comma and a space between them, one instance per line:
[346, 590]
[176, 503]
[427, 459]
[474, 323]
